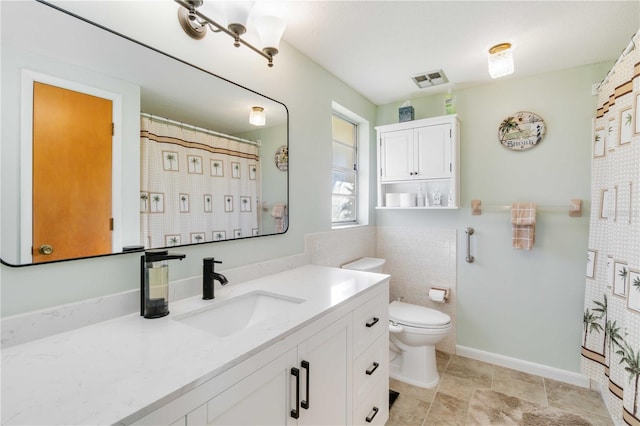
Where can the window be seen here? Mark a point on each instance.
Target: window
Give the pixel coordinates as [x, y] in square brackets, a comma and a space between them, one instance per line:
[344, 193]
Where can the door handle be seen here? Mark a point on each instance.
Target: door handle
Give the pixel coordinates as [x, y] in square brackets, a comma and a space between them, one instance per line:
[373, 322]
[305, 403]
[295, 413]
[45, 249]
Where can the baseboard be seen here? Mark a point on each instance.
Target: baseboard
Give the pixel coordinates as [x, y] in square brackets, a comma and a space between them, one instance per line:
[524, 366]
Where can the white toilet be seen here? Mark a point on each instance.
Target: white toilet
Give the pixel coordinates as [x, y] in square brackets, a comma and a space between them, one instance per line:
[414, 332]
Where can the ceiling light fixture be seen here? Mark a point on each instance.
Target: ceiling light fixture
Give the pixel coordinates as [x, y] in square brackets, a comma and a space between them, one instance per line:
[269, 28]
[257, 117]
[500, 60]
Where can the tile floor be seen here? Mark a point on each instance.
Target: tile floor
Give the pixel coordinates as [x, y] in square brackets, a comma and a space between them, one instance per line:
[473, 392]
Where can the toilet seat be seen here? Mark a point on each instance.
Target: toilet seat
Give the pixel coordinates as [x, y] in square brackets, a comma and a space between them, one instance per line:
[416, 316]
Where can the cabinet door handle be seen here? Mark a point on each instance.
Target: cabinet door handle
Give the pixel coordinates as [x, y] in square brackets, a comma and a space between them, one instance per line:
[373, 322]
[305, 403]
[372, 416]
[295, 413]
[374, 368]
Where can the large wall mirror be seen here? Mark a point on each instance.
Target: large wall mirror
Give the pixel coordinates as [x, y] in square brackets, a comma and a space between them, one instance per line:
[182, 164]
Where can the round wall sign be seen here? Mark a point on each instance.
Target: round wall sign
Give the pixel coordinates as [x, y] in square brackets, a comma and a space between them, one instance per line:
[282, 158]
[521, 131]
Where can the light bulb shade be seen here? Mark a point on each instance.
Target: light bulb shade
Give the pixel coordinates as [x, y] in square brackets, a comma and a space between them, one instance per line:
[500, 60]
[270, 30]
[237, 12]
[257, 117]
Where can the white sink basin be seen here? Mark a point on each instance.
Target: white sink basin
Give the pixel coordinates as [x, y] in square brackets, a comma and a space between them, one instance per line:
[230, 316]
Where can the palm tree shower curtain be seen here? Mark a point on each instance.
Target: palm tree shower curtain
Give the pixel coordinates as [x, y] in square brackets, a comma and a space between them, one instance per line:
[611, 339]
[196, 186]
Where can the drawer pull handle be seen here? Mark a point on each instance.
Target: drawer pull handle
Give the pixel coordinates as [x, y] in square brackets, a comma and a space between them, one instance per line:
[373, 322]
[372, 416]
[295, 413]
[305, 403]
[375, 367]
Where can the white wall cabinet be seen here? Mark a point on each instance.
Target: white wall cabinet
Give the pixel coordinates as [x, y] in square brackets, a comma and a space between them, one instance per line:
[419, 156]
[319, 376]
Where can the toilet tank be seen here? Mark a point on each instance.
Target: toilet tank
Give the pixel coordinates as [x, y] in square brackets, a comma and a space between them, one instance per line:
[367, 264]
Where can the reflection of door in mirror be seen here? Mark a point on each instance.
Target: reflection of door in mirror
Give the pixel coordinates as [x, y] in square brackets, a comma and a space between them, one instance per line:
[72, 154]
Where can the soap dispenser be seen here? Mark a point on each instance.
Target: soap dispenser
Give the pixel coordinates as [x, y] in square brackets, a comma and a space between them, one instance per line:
[154, 282]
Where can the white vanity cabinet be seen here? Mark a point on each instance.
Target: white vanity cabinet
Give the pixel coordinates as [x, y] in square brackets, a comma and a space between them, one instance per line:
[268, 396]
[317, 376]
[371, 362]
[419, 156]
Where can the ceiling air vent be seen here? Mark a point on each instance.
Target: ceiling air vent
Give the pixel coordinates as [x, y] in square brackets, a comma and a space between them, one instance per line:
[430, 79]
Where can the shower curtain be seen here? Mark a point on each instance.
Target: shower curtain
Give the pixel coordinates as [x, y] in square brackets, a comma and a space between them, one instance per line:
[611, 332]
[196, 186]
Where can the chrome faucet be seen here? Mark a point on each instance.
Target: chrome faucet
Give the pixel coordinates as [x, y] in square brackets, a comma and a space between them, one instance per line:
[209, 276]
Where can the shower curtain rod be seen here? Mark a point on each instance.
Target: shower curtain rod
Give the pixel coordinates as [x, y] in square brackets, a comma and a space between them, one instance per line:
[632, 45]
[199, 129]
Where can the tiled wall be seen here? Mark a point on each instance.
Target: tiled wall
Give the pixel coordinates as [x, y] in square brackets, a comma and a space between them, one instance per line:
[337, 247]
[418, 259]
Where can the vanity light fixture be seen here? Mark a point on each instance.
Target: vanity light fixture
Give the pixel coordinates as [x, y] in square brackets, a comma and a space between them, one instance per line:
[269, 28]
[500, 60]
[257, 117]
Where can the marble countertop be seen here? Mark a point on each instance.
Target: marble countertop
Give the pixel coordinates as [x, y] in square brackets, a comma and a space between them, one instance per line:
[128, 366]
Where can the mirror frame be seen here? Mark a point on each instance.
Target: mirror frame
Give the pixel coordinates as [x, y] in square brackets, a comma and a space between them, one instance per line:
[139, 249]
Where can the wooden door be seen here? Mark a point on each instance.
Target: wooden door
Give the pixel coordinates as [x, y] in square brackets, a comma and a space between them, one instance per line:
[72, 153]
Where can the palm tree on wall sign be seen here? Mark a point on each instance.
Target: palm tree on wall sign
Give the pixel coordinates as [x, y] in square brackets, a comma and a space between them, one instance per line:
[508, 125]
[632, 361]
[601, 308]
[591, 324]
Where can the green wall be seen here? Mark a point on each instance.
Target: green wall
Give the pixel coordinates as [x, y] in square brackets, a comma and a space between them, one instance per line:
[525, 305]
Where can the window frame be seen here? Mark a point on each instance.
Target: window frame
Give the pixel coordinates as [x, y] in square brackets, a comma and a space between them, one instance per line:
[354, 170]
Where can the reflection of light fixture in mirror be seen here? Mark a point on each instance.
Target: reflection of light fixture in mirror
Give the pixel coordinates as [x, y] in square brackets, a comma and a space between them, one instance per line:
[500, 60]
[257, 117]
[269, 28]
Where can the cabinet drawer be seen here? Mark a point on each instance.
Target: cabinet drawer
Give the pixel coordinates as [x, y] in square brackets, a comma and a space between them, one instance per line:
[374, 410]
[369, 321]
[369, 368]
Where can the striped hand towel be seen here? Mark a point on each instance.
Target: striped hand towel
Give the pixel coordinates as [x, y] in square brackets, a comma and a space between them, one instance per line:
[523, 221]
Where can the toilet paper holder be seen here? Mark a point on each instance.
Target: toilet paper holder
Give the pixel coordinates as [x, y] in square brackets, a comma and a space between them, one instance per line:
[438, 289]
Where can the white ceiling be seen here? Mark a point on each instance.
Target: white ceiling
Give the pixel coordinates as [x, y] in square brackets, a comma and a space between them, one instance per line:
[376, 46]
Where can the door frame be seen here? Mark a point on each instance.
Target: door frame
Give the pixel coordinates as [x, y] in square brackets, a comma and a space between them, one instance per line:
[28, 78]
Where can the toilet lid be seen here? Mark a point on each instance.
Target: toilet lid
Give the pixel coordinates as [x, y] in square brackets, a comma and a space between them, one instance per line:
[416, 316]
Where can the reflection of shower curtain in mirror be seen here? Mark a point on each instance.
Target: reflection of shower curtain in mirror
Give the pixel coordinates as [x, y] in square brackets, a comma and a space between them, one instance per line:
[195, 187]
